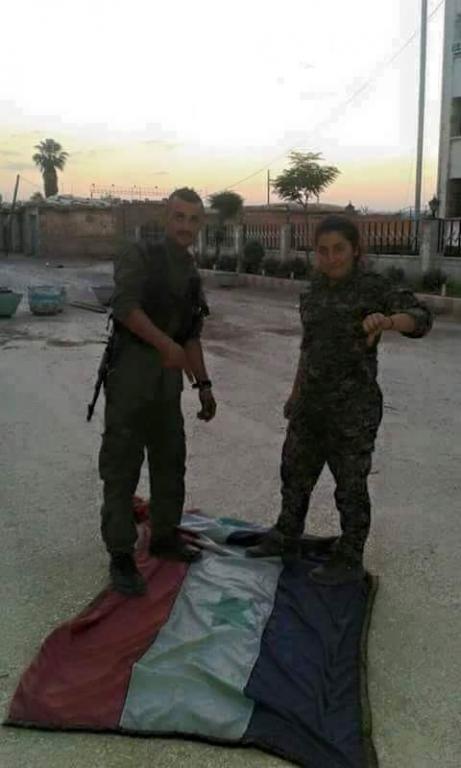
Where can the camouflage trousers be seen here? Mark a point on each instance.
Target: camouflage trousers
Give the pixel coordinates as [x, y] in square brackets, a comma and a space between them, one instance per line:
[142, 416]
[339, 433]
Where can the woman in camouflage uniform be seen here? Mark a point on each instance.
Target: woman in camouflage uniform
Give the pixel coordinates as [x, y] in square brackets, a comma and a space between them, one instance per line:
[335, 408]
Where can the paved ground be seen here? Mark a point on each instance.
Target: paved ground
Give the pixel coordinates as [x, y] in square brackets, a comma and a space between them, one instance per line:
[52, 561]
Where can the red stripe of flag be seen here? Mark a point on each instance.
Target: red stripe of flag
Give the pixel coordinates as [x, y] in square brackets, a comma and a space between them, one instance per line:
[81, 675]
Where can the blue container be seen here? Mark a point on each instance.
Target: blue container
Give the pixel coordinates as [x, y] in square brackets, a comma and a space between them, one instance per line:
[9, 302]
[46, 299]
[63, 299]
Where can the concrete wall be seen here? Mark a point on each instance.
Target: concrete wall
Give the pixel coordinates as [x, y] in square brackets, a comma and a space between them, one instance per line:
[129, 216]
[455, 164]
[77, 233]
[380, 262]
[451, 89]
[456, 90]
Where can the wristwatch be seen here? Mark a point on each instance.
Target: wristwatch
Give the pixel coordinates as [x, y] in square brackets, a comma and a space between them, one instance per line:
[200, 385]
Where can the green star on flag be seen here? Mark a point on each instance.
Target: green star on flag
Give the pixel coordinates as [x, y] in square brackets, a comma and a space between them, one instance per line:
[231, 611]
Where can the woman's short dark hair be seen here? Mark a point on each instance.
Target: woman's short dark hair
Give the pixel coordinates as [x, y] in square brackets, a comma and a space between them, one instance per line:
[343, 226]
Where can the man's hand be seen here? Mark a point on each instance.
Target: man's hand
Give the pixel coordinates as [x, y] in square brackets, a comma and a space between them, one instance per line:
[208, 402]
[173, 356]
[374, 325]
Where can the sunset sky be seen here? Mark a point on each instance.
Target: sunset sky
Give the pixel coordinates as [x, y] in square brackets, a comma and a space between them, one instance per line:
[207, 93]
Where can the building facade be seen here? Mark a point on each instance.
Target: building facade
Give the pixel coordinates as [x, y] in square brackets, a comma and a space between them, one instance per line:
[449, 176]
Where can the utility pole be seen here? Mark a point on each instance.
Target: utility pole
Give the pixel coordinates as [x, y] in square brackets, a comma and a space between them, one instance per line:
[422, 104]
[9, 221]
[268, 187]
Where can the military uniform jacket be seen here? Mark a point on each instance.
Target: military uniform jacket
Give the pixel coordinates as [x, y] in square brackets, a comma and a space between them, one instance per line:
[157, 279]
[334, 345]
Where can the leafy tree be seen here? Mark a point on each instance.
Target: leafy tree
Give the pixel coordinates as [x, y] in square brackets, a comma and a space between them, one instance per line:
[50, 158]
[305, 178]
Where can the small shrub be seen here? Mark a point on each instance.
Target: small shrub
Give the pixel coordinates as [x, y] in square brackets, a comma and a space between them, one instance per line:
[270, 266]
[452, 251]
[227, 263]
[253, 257]
[433, 280]
[299, 267]
[454, 289]
[207, 261]
[283, 269]
[395, 274]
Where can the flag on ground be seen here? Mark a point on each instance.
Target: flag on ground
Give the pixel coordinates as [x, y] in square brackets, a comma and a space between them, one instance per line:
[229, 649]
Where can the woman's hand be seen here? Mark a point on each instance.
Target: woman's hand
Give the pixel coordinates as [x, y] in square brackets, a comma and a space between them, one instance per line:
[374, 325]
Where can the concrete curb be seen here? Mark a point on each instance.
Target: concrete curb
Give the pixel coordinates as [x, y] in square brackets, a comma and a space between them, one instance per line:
[442, 305]
[439, 305]
[216, 279]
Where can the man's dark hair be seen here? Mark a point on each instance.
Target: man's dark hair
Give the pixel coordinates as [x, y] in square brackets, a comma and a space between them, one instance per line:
[186, 194]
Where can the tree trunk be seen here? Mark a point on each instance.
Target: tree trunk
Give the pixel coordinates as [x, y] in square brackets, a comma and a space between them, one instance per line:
[50, 181]
[308, 244]
[219, 238]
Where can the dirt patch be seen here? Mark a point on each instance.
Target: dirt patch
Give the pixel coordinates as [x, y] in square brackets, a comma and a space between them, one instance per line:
[227, 352]
[291, 332]
[223, 331]
[17, 335]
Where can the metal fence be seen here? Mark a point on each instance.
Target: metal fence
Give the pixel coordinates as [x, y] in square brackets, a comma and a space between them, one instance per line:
[301, 239]
[212, 235]
[266, 234]
[397, 236]
[152, 233]
[450, 237]
[401, 237]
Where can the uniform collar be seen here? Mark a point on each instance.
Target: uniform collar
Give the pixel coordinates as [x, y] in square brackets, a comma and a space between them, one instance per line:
[176, 250]
[323, 282]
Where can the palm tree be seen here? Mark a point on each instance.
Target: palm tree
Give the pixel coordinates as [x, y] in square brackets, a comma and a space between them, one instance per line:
[49, 158]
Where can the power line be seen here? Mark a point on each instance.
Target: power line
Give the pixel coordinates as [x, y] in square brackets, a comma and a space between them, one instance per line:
[32, 184]
[339, 109]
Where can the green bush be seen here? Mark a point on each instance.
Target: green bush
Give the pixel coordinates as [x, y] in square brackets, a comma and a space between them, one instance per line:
[207, 261]
[433, 280]
[253, 257]
[299, 267]
[227, 263]
[270, 266]
[452, 251]
[283, 269]
[395, 274]
[454, 289]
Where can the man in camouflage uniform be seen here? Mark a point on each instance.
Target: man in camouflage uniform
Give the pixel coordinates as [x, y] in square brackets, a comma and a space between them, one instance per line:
[336, 408]
[158, 307]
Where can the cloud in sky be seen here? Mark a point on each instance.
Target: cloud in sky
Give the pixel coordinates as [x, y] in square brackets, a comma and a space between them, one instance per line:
[230, 99]
[315, 95]
[17, 167]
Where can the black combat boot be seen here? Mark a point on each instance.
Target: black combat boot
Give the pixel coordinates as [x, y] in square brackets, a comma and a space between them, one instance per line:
[275, 544]
[173, 548]
[124, 575]
[340, 569]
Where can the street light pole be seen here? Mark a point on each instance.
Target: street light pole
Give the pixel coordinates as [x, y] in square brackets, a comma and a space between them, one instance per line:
[422, 104]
